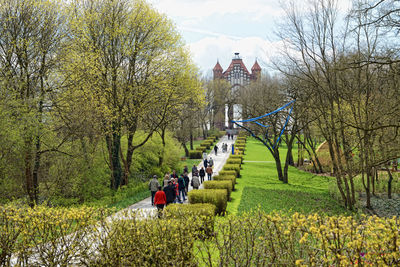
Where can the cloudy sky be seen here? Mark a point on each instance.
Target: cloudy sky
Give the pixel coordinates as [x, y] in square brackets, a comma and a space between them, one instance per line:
[215, 29]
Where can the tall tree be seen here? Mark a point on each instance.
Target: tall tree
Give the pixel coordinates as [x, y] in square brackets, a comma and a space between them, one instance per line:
[31, 33]
[120, 54]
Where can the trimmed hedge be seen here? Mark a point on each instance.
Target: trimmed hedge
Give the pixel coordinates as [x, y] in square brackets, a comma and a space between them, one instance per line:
[221, 133]
[207, 143]
[234, 161]
[218, 197]
[225, 172]
[231, 178]
[236, 157]
[201, 148]
[195, 154]
[203, 212]
[219, 185]
[234, 167]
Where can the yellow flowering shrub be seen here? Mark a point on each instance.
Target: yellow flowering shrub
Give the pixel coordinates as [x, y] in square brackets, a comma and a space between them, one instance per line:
[257, 239]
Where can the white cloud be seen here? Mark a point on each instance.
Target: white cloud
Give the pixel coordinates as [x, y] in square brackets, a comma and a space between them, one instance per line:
[208, 50]
[202, 8]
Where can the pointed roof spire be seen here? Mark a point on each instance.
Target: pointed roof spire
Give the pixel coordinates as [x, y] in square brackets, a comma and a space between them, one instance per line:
[256, 67]
[217, 67]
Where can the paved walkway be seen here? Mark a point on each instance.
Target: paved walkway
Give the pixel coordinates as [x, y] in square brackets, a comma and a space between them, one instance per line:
[219, 162]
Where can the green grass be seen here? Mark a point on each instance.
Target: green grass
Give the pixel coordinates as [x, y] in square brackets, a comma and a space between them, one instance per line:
[259, 186]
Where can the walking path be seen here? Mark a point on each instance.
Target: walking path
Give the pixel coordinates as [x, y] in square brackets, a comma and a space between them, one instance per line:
[219, 162]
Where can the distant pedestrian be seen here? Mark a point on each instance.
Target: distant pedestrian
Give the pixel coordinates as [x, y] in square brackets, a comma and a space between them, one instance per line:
[202, 173]
[170, 193]
[176, 188]
[181, 188]
[194, 169]
[211, 162]
[185, 169]
[205, 163]
[160, 200]
[153, 187]
[166, 179]
[215, 149]
[209, 172]
[204, 155]
[174, 175]
[195, 182]
[187, 180]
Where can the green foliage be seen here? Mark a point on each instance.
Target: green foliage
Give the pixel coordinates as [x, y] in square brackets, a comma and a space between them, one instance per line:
[201, 148]
[221, 133]
[259, 185]
[231, 178]
[218, 197]
[195, 154]
[207, 143]
[236, 157]
[138, 242]
[219, 185]
[234, 167]
[203, 212]
[235, 161]
[226, 172]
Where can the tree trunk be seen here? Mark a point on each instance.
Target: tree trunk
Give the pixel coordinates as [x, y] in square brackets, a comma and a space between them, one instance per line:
[28, 172]
[116, 169]
[289, 158]
[389, 182]
[278, 166]
[161, 156]
[191, 139]
[185, 148]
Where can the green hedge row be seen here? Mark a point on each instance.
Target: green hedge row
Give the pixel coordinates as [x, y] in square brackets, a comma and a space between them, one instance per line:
[204, 212]
[231, 178]
[236, 161]
[227, 185]
[225, 172]
[236, 157]
[195, 154]
[218, 197]
[232, 167]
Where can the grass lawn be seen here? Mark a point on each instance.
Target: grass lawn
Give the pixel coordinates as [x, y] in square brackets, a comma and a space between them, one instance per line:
[259, 186]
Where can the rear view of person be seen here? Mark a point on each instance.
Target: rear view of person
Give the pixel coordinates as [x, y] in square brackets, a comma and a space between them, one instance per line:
[181, 188]
[160, 200]
[153, 186]
[202, 173]
[209, 172]
[195, 182]
[170, 193]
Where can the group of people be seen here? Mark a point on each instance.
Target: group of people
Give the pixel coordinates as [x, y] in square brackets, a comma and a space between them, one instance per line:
[176, 187]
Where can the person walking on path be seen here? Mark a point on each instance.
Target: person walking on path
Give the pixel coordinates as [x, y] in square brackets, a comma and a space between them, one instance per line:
[202, 173]
[160, 200]
[195, 181]
[187, 180]
[166, 179]
[176, 187]
[173, 174]
[170, 193]
[153, 186]
[215, 149]
[209, 172]
[205, 163]
[181, 188]
[194, 168]
[210, 162]
[185, 169]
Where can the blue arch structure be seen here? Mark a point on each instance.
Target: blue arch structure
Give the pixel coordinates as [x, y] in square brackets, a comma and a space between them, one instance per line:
[254, 120]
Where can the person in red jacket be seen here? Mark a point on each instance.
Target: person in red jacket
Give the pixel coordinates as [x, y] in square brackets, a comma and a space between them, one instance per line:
[160, 200]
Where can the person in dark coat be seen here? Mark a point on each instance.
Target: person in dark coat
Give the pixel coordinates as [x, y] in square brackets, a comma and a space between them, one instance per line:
[187, 180]
[202, 174]
[215, 149]
[170, 193]
[205, 163]
[181, 188]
